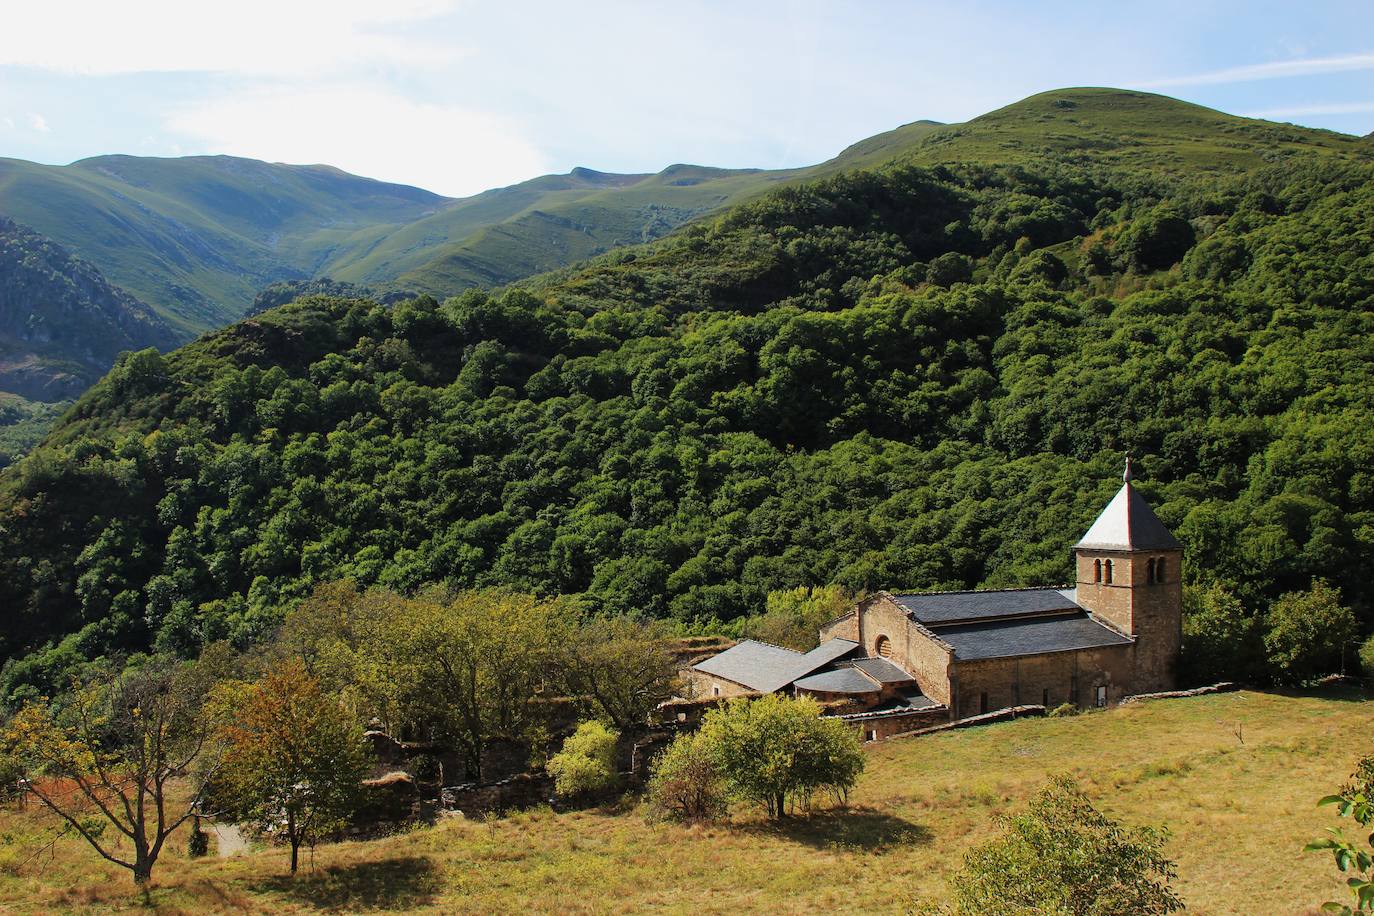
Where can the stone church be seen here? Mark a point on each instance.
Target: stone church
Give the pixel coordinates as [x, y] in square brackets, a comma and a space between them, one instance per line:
[898, 658]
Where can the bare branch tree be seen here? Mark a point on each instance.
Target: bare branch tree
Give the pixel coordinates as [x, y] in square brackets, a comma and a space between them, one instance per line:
[109, 755]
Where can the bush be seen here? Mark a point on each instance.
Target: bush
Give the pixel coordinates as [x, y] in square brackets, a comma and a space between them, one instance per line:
[587, 761]
[778, 752]
[1307, 632]
[687, 784]
[1221, 640]
[1064, 709]
[1064, 856]
[1367, 657]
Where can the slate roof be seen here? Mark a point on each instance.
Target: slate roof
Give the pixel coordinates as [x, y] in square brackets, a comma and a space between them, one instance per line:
[764, 667]
[841, 680]
[1029, 636]
[953, 607]
[827, 652]
[882, 670]
[1128, 523]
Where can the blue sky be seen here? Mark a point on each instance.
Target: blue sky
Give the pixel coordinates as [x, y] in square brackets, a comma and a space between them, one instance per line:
[462, 95]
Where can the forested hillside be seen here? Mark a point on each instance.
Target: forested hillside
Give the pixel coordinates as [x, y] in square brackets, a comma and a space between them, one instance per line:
[909, 378]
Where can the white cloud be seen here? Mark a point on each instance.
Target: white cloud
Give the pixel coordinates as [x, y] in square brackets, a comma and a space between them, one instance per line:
[39, 123]
[1311, 66]
[253, 37]
[368, 132]
[1301, 111]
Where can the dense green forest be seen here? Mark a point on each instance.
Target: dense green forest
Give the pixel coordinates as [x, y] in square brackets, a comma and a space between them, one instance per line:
[917, 377]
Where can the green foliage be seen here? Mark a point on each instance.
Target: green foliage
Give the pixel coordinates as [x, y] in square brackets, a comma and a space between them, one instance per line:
[1063, 856]
[1156, 241]
[1307, 633]
[771, 400]
[587, 761]
[687, 783]
[776, 751]
[1064, 709]
[294, 760]
[1367, 657]
[1221, 639]
[1354, 858]
[617, 669]
[793, 617]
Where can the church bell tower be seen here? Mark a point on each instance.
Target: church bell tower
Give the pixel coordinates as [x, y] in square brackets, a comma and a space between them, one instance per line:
[1130, 578]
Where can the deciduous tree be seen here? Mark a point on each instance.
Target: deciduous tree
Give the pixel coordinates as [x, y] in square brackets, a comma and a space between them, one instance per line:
[294, 760]
[778, 752]
[110, 753]
[1064, 857]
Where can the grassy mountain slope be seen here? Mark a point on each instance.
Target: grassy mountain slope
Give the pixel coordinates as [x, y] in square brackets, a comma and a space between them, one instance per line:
[61, 323]
[1238, 812]
[1135, 130]
[196, 237]
[1130, 130]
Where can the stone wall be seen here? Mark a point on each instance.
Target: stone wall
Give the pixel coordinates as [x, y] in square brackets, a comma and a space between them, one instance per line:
[1150, 611]
[878, 726]
[1049, 679]
[702, 686]
[526, 790]
[913, 647]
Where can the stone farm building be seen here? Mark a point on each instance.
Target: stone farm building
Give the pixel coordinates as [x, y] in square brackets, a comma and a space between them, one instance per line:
[900, 661]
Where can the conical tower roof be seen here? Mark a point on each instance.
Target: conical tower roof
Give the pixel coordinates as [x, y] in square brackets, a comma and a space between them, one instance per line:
[1128, 523]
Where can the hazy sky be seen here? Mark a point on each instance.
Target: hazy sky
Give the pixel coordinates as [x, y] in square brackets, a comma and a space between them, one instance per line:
[461, 95]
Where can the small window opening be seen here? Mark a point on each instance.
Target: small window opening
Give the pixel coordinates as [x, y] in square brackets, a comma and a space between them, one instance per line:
[1097, 570]
[983, 701]
[872, 734]
[1045, 699]
[883, 647]
[1101, 696]
[1159, 570]
[1108, 572]
[1150, 570]
[715, 691]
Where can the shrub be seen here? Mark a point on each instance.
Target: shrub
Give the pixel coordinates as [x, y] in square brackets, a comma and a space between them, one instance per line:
[687, 784]
[1367, 657]
[587, 761]
[1307, 632]
[1064, 709]
[777, 751]
[1221, 641]
[1062, 855]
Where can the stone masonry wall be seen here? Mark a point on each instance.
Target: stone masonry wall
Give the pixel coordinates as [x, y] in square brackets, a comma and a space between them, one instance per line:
[1150, 611]
[1049, 679]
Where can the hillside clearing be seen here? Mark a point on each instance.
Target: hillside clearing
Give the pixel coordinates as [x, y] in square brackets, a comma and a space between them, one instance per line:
[1234, 776]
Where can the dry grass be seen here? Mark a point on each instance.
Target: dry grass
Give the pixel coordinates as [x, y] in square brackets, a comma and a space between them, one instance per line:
[1235, 777]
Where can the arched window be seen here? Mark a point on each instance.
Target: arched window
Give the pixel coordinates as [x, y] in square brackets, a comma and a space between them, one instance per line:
[1097, 570]
[1159, 570]
[1150, 570]
[883, 647]
[1108, 571]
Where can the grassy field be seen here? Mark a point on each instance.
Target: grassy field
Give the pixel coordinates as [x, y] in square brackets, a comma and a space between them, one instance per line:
[1234, 776]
